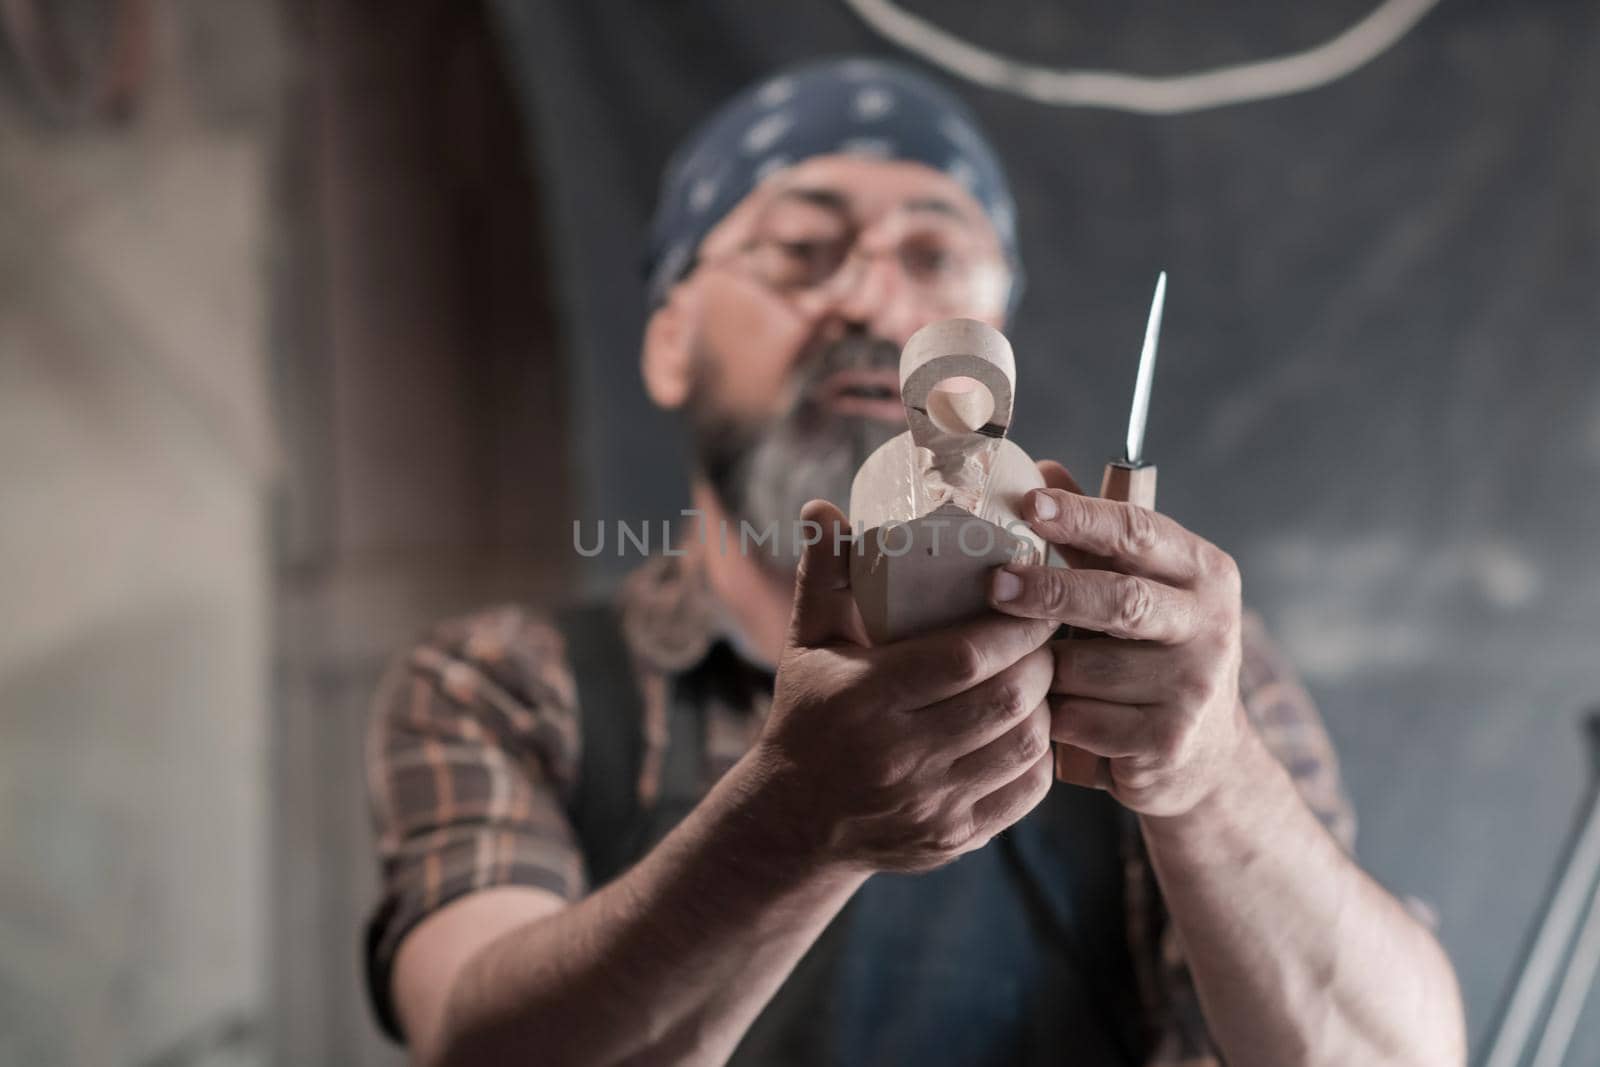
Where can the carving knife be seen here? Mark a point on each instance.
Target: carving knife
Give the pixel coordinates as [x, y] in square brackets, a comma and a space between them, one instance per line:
[1132, 479]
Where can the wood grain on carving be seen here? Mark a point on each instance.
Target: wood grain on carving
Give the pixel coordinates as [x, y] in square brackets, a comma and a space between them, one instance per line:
[938, 507]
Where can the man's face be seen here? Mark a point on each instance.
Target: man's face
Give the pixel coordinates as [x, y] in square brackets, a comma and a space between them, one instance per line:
[786, 336]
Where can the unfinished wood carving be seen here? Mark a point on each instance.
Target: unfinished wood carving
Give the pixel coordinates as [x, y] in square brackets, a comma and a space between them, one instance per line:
[936, 508]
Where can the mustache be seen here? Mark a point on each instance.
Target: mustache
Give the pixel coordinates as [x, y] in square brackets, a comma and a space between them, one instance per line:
[855, 351]
[722, 438]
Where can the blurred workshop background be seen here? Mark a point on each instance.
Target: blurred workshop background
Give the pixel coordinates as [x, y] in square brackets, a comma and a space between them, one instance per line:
[318, 320]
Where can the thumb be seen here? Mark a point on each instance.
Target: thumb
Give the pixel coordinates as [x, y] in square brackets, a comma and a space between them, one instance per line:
[1058, 477]
[824, 611]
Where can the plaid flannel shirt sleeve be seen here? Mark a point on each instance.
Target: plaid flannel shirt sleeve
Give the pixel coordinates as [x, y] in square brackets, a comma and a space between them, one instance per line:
[472, 752]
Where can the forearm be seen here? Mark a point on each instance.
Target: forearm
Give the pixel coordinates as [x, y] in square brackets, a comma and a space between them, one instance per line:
[673, 960]
[1299, 956]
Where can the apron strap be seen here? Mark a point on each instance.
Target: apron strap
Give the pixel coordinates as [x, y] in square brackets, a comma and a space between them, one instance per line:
[605, 810]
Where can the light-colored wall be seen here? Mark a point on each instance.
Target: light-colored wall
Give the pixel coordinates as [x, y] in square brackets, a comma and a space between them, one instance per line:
[136, 458]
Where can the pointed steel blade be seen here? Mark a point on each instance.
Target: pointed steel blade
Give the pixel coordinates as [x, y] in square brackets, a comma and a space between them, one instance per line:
[1147, 370]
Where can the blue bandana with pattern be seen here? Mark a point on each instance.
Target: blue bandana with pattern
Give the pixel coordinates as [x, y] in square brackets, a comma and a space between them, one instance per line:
[858, 106]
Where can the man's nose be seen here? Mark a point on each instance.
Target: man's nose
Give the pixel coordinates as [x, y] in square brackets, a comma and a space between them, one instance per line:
[875, 294]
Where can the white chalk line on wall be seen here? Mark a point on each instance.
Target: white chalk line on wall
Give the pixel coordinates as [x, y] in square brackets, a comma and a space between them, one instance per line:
[1295, 72]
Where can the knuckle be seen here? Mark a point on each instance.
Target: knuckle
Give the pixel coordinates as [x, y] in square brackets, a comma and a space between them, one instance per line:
[979, 838]
[1053, 595]
[965, 662]
[1035, 784]
[924, 814]
[1223, 569]
[1044, 775]
[1006, 700]
[949, 837]
[1027, 745]
[1080, 511]
[1134, 604]
[892, 770]
[1069, 509]
[1140, 532]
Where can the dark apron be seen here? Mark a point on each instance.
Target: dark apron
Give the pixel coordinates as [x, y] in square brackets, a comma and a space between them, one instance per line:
[1014, 954]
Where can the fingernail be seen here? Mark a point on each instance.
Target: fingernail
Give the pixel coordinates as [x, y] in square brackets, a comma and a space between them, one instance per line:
[1007, 586]
[1044, 506]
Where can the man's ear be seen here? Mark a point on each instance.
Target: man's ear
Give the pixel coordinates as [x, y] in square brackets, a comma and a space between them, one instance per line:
[665, 361]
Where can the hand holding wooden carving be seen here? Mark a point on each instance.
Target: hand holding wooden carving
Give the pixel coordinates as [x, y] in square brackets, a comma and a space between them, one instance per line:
[1152, 708]
[901, 757]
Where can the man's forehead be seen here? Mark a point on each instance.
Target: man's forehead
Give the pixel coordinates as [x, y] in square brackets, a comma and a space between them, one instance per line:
[861, 188]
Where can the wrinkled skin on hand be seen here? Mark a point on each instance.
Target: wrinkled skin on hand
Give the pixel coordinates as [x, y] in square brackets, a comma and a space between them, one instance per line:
[903, 757]
[1151, 708]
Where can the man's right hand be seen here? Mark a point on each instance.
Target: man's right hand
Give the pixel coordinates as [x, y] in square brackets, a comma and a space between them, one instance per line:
[903, 757]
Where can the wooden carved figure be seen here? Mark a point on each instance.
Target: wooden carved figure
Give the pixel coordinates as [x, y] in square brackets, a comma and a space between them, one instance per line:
[936, 509]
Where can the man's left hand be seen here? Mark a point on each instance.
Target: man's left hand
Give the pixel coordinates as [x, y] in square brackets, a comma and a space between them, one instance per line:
[1152, 708]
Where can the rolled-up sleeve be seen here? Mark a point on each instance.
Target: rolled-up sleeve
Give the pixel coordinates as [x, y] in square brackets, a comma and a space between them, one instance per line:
[472, 753]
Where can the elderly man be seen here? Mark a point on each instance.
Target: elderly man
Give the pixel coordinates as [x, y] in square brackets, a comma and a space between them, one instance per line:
[711, 822]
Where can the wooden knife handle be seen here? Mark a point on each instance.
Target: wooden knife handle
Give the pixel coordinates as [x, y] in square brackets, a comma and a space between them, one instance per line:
[1124, 481]
[1136, 485]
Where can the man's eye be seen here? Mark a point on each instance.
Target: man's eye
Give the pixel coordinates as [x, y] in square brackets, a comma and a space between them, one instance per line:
[923, 261]
[804, 262]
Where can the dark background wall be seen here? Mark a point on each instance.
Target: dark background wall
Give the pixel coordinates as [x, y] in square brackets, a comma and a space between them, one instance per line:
[312, 331]
[1379, 385]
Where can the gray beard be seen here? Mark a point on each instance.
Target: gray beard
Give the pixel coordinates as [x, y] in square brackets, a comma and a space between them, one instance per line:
[764, 473]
